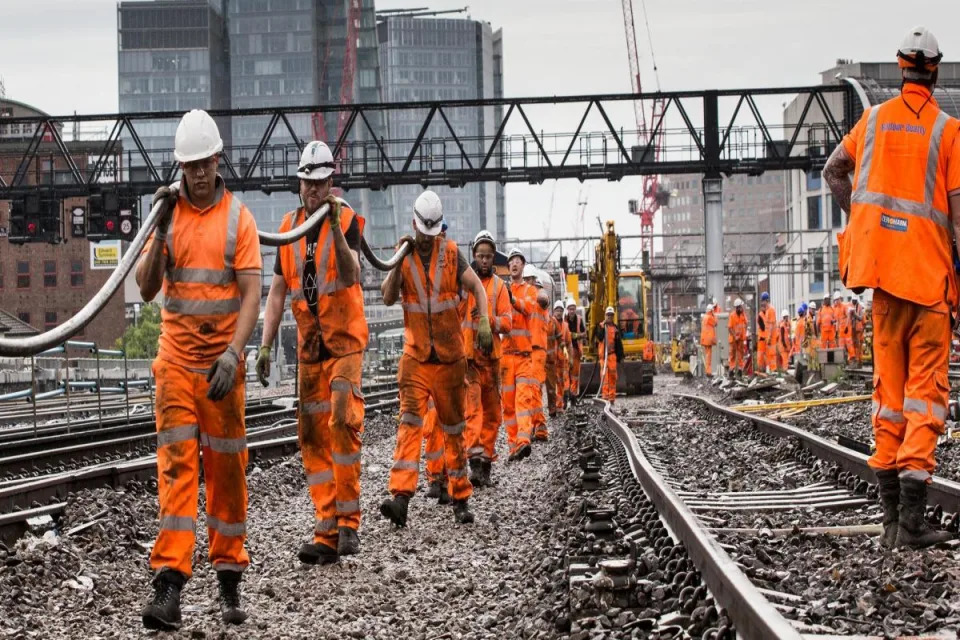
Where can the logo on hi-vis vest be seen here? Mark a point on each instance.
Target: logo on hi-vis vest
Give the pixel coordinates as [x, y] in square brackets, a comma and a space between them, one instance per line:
[892, 222]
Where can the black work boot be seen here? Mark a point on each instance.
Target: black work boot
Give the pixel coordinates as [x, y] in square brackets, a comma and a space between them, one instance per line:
[163, 612]
[485, 468]
[520, 453]
[436, 488]
[395, 510]
[462, 513]
[444, 494]
[889, 484]
[349, 542]
[317, 553]
[230, 611]
[476, 472]
[914, 532]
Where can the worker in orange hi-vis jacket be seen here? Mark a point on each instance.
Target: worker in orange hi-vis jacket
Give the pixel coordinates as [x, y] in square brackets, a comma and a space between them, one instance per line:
[537, 324]
[737, 336]
[578, 337]
[428, 282]
[564, 347]
[517, 374]
[610, 350]
[708, 337]
[784, 341]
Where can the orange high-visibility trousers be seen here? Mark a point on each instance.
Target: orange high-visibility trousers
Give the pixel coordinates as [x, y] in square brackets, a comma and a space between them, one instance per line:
[445, 383]
[329, 422]
[708, 359]
[483, 409]
[539, 357]
[783, 357]
[552, 386]
[186, 421]
[575, 361]
[563, 382]
[609, 387]
[738, 352]
[433, 445]
[910, 384]
[828, 339]
[517, 384]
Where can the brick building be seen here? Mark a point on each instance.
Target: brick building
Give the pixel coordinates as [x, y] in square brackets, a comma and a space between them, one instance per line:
[43, 284]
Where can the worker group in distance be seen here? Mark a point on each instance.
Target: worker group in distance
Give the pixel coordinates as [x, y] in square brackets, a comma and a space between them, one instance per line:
[836, 324]
[478, 350]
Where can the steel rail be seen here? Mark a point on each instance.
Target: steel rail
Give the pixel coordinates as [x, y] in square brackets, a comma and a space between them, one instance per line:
[945, 493]
[752, 614]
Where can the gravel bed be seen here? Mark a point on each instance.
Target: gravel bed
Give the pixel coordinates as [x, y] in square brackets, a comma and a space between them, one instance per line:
[496, 578]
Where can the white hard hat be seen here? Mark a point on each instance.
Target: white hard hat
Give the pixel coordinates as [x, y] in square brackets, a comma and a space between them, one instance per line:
[609, 310]
[854, 298]
[316, 162]
[484, 236]
[571, 303]
[558, 305]
[837, 295]
[709, 308]
[738, 302]
[516, 253]
[919, 53]
[785, 314]
[529, 271]
[813, 305]
[197, 137]
[428, 213]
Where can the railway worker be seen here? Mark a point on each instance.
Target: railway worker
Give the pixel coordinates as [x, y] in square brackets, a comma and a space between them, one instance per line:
[321, 271]
[737, 337]
[784, 341]
[610, 352]
[902, 203]
[428, 282]
[766, 335]
[554, 346]
[840, 310]
[517, 375]
[802, 334]
[813, 330]
[564, 353]
[206, 256]
[708, 337]
[578, 334]
[537, 324]
[855, 348]
[827, 325]
[484, 411]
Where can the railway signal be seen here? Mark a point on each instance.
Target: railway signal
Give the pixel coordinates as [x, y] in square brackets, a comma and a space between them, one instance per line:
[112, 216]
[35, 219]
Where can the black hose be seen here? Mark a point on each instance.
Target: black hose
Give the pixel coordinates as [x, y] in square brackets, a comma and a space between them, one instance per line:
[583, 392]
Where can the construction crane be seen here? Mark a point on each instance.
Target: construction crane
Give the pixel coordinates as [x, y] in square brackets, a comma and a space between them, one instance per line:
[347, 78]
[649, 203]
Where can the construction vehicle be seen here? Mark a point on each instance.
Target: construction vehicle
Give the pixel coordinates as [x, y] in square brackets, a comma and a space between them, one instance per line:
[627, 292]
[684, 342]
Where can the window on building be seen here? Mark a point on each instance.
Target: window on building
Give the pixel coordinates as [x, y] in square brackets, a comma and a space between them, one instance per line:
[49, 320]
[49, 273]
[76, 273]
[813, 212]
[24, 317]
[836, 214]
[813, 180]
[816, 275]
[23, 274]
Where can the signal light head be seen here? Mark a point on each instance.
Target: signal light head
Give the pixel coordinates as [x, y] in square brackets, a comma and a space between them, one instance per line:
[109, 226]
[31, 227]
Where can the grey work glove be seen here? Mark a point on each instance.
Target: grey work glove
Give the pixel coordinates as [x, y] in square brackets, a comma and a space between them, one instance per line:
[169, 198]
[263, 365]
[223, 374]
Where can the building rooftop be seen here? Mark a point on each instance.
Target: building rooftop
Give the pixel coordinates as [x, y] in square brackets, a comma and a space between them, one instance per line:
[11, 326]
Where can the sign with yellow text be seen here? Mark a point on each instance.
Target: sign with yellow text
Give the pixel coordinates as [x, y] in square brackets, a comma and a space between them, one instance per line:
[105, 254]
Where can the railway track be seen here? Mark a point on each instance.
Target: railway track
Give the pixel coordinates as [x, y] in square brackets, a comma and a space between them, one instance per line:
[34, 483]
[782, 548]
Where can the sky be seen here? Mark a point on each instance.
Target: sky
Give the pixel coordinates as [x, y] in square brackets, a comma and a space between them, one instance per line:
[61, 56]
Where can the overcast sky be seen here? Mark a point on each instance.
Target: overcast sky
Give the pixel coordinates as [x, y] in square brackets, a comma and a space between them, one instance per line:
[60, 56]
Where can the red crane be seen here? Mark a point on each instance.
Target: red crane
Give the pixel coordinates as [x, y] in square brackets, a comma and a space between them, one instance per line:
[647, 206]
[347, 78]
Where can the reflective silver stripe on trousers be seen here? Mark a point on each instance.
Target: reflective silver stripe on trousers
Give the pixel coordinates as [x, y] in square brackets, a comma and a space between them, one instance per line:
[528, 412]
[223, 445]
[510, 422]
[917, 405]
[346, 459]
[315, 407]
[457, 473]
[433, 455]
[341, 384]
[205, 276]
[226, 528]
[228, 566]
[925, 209]
[474, 451]
[525, 380]
[409, 418]
[508, 387]
[325, 525]
[886, 413]
[177, 434]
[178, 523]
[320, 477]
[454, 429]
[519, 332]
[405, 465]
[201, 307]
[350, 506]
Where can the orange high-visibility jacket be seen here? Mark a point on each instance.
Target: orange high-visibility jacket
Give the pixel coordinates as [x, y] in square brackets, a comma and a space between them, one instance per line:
[205, 249]
[800, 334]
[554, 336]
[430, 298]
[524, 305]
[737, 327]
[899, 239]
[826, 323]
[769, 330]
[537, 323]
[499, 313]
[840, 314]
[339, 320]
[708, 329]
[783, 335]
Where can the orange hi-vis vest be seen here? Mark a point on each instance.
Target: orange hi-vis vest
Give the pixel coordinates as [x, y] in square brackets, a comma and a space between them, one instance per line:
[800, 333]
[608, 344]
[537, 322]
[899, 236]
[708, 329]
[339, 319]
[499, 313]
[843, 321]
[769, 330]
[825, 320]
[554, 335]
[737, 326]
[201, 297]
[430, 300]
[784, 338]
[519, 338]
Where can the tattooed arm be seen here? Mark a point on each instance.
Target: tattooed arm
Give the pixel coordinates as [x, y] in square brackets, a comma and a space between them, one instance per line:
[837, 174]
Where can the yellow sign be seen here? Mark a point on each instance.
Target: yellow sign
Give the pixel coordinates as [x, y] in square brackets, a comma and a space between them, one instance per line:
[573, 287]
[105, 254]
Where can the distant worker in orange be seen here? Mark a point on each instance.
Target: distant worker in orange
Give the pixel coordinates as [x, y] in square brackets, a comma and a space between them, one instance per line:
[904, 211]
[766, 335]
[537, 325]
[578, 336]
[205, 254]
[322, 273]
[610, 350]
[784, 341]
[428, 282]
[484, 411]
[827, 325]
[708, 337]
[802, 334]
[517, 374]
[737, 337]
[554, 346]
[813, 331]
[564, 351]
[856, 313]
[840, 312]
